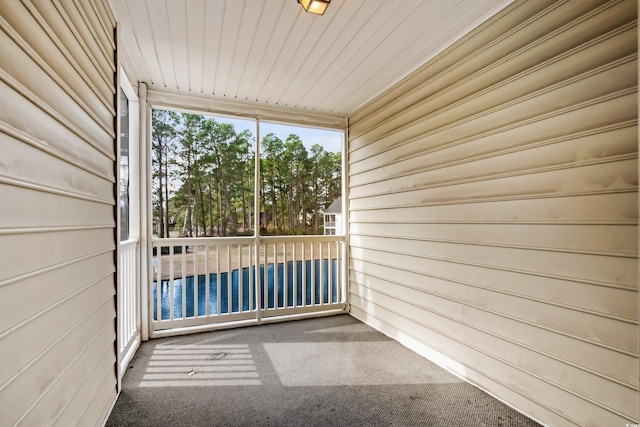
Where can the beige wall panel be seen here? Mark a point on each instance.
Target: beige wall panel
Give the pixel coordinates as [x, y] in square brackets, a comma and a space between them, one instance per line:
[571, 409]
[50, 249]
[95, 358]
[60, 212]
[493, 200]
[31, 297]
[18, 20]
[94, 17]
[107, 16]
[57, 242]
[25, 118]
[613, 396]
[597, 269]
[611, 301]
[82, 94]
[528, 70]
[36, 105]
[462, 121]
[595, 178]
[619, 367]
[70, 414]
[76, 350]
[19, 157]
[592, 327]
[100, 405]
[590, 119]
[20, 347]
[452, 163]
[612, 239]
[14, 60]
[612, 208]
[69, 26]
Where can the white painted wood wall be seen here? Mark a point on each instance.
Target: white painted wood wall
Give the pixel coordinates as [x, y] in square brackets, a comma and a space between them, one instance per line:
[57, 239]
[494, 210]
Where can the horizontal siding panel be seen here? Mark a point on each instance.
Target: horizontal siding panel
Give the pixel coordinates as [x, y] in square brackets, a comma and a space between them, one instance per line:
[65, 41]
[539, 56]
[96, 357]
[20, 301]
[32, 340]
[610, 332]
[574, 410]
[86, 391]
[108, 16]
[604, 239]
[84, 46]
[20, 21]
[589, 119]
[613, 208]
[619, 176]
[61, 212]
[32, 252]
[616, 302]
[25, 118]
[429, 292]
[77, 21]
[22, 394]
[611, 395]
[14, 60]
[596, 269]
[100, 111]
[57, 242]
[472, 118]
[12, 83]
[475, 160]
[101, 403]
[94, 17]
[18, 157]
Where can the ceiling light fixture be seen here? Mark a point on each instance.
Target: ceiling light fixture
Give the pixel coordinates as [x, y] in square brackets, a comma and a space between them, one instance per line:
[314, 6]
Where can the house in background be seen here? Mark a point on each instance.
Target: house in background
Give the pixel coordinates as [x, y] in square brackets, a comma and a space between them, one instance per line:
[491, 184]
[333, 218]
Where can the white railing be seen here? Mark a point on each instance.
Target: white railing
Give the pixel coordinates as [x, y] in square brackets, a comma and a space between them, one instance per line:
[209, 281]
[128, 334]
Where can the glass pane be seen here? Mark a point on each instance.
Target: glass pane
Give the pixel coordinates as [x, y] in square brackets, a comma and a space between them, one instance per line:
[301, 179]
[203, 175]
[124, 167]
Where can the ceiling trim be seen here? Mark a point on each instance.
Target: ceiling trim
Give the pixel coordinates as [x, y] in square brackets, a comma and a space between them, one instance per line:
[211, 104]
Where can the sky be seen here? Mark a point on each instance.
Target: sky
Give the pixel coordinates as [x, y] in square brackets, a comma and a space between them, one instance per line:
[331, 140]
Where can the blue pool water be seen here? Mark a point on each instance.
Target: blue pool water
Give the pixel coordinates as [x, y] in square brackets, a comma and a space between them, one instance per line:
[240, 283]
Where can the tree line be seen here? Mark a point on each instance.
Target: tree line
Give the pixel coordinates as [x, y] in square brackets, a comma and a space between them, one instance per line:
[204, 172]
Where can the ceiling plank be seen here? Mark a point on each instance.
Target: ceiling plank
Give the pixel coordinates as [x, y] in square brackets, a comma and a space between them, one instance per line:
[196, 22]
[214, 14]
[253, 15]
[273, 53]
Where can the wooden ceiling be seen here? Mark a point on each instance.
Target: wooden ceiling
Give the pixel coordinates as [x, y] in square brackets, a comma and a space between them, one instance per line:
[273, 53]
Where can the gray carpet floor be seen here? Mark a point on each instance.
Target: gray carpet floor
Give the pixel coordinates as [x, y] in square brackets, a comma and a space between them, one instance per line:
[331, 371]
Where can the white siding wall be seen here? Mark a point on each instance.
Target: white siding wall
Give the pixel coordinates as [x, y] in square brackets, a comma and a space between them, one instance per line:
[57, 153]
[494, 210]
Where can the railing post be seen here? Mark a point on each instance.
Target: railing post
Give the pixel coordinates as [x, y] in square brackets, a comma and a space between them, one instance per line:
[256, 225]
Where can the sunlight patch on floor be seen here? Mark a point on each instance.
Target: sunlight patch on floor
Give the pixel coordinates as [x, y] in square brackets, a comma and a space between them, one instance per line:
[201, 366]
[347, 364]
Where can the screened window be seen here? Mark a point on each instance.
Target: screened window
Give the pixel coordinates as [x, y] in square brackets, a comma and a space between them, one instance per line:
[124, 167]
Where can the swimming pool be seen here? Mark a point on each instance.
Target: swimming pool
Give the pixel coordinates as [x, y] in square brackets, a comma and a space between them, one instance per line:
[304, 288]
